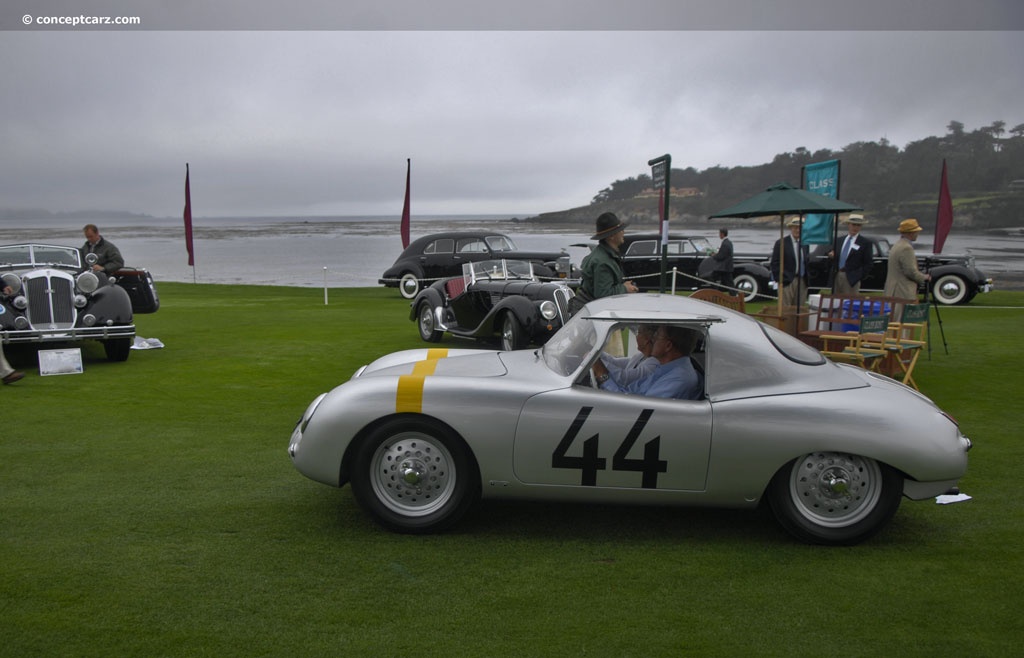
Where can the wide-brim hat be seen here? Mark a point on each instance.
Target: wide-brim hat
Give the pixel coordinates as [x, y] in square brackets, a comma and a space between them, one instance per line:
[910, 226]
[855, 219]
[794, 221]
[607, 225]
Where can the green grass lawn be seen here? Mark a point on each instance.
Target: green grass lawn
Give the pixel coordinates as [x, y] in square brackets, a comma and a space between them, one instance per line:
[149, 508]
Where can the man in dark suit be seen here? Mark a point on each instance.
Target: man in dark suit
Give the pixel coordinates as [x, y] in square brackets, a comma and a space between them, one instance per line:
[794, 268]
[722, 272]
[854, 255]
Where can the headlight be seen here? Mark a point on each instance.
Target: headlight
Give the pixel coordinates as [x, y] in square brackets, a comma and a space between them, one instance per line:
[87, 282]
[89, 319]
[548, 310]
[20, 303]
[80, 301]
[12, 281]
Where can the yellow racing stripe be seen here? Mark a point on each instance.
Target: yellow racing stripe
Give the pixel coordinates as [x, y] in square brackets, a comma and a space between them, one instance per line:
[409, 395]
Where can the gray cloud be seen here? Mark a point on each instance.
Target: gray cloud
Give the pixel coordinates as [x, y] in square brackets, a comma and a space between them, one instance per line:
[499, 122]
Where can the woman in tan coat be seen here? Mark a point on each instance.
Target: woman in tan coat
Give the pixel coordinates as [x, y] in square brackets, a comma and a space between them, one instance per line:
[903, 278]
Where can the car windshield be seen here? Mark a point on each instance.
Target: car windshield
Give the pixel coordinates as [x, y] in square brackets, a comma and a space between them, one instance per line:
[567, 349]
[37, 255]
[487, 270]
[700, 245]
[499, 243]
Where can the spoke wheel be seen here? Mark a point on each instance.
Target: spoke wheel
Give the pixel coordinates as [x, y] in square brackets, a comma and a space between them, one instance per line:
[835, 498]
[426, 322]
[415, 476]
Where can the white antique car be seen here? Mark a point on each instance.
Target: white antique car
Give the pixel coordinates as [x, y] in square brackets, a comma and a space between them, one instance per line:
[422, 434]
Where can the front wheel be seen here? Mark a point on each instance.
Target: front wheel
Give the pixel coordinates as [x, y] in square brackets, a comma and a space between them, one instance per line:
[426, 322]
[834, 498]
[117, 349]
[748, 286]
[950, 289]
[413, 475]
[513, 336]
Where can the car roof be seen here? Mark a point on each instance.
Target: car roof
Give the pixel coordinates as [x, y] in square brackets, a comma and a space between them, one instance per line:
[456, 235]
[632, 237]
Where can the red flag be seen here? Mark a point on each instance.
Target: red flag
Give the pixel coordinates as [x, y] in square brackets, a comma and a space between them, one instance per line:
[944, 216]
[188, 220]
[405, 208]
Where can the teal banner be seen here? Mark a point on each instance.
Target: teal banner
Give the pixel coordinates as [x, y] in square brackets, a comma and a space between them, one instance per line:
[821, 178]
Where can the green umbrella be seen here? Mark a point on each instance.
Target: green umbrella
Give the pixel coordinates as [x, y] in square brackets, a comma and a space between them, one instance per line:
[783, 199]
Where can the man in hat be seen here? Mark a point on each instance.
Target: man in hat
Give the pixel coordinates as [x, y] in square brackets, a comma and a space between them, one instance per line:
[902, 278]
[602, 267]
[855, 257]
[793, 256]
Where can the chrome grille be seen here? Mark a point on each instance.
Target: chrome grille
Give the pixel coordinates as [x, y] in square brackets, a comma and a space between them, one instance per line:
[50, 301]
[562, 296]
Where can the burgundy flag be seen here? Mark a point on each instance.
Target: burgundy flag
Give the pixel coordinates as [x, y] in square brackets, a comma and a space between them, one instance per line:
[405, 208]
[188, 220]
[944, 216]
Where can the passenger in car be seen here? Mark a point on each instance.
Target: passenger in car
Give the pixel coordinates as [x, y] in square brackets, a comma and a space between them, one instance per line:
[674, 377]
[628, 369]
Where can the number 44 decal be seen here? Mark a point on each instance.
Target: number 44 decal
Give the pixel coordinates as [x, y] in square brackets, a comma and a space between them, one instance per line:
[590, 463]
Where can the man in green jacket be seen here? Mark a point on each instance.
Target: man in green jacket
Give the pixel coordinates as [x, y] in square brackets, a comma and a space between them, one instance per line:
[602, 267]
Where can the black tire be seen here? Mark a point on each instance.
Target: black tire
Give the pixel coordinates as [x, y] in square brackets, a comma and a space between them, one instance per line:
[409, 285]
[426, 322]
[415, 476]
[749, 285]
[950, 289]
[834, 498]
[513, 336]
[117, 349]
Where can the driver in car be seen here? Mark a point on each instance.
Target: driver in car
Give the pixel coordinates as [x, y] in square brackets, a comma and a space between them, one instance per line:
[674, 377]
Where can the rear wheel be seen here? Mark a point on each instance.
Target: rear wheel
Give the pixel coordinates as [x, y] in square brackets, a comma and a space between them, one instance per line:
[834, 498]
[409, 285]
[748, 286]
[415, 476]
[426, 321]
[513, 336]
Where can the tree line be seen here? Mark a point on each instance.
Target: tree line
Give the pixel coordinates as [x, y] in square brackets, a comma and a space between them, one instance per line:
[879, 176]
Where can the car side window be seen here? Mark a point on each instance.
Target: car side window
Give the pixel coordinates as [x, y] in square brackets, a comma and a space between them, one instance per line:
[443, 246]
[471, 246]
[642, 248]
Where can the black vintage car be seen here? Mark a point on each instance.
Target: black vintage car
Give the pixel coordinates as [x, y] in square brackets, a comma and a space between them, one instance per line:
[688, 255]
[955, 279]
[441, 255]
[492, 299]
[49, 296]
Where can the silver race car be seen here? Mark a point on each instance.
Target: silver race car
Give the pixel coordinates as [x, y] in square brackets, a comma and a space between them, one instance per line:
[422, 434]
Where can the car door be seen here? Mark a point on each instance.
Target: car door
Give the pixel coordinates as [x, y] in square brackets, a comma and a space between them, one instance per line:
[584, 437]
[437, 259]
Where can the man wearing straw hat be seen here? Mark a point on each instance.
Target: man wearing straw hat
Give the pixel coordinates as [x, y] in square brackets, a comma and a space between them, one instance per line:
[855, 257]
[902, 278]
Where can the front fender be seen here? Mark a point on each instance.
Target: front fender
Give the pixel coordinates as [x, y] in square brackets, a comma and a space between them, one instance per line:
[432, 295]
[111, 303]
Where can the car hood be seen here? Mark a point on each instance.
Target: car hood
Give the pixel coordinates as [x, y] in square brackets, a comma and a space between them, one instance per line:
[442, 361]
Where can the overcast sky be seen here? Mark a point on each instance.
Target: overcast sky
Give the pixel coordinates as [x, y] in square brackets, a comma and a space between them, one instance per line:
[311, 122]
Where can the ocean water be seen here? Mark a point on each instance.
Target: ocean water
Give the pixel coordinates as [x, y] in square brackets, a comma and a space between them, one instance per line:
[355, 251]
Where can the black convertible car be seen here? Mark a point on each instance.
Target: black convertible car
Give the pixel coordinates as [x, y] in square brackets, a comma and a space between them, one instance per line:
[441, 255]
[496, 298]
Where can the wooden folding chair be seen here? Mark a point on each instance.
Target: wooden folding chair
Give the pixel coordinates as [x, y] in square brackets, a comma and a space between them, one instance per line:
[908, 338]
[866, 347]
[725, 299]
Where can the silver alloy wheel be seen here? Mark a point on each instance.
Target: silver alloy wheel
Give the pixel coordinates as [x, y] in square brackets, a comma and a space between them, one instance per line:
[511, 332]
[409, 285]
[412, 474]
[426, 321]
[835, 490]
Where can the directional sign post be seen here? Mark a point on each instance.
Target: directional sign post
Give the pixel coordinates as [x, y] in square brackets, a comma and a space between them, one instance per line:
[661, 172]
